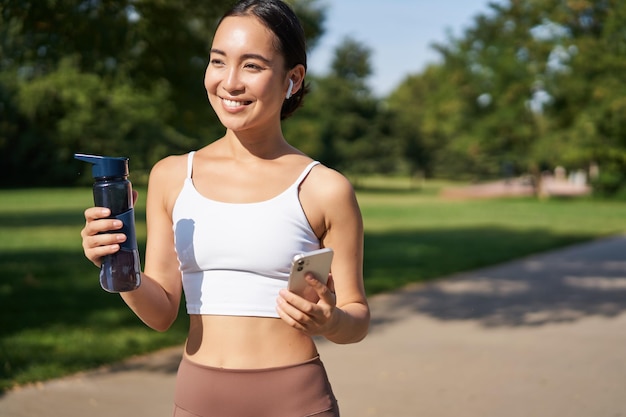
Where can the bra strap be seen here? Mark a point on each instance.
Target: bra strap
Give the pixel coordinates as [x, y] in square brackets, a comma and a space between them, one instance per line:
[305, 172]
[190, 163]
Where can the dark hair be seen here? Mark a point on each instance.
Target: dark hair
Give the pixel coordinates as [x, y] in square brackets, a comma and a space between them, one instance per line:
[279, 18]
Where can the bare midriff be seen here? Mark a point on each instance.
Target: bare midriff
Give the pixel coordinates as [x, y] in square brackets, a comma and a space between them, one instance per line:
[235, 342]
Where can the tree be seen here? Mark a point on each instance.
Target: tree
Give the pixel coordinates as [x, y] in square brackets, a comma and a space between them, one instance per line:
[589, 111]
[342, 123]
[121, 76]
[428, 114]
[534, 84]
[76, 112]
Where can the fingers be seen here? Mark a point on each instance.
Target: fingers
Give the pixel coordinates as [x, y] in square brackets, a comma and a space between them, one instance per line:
[304, 315]
[325, 292]
[95, 213]
[293, 316]
[98, 241]
[331, 283]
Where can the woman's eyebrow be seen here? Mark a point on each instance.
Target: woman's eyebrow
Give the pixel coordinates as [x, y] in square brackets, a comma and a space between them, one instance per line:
[244, 56]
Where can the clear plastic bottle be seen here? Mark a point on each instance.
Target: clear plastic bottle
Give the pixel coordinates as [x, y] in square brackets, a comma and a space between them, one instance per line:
[120, 271]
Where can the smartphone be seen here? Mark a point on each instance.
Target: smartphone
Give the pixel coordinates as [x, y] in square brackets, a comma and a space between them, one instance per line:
[317, 262]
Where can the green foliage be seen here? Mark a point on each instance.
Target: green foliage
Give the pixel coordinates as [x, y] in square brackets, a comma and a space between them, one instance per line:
[312, 15]
[78, 112]
[352, 62]
[428, 114]
[527, 87]
[533, 85]
[342, 123]
[115, 77]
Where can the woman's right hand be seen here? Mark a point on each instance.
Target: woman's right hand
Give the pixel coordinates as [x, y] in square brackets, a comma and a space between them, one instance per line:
[97, 243]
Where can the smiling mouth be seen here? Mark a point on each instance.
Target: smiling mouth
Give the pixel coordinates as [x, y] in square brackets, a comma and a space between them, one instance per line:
[233, 104]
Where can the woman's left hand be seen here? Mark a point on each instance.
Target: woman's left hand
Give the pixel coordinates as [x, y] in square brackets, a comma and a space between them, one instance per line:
[313, 313]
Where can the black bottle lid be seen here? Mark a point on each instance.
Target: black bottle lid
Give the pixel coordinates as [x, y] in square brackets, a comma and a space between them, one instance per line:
[105, 166]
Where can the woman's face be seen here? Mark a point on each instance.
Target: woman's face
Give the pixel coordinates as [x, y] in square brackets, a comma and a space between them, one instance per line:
[246, 80]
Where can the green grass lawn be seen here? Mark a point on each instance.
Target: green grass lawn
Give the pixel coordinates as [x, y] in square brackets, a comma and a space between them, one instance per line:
[55, 319]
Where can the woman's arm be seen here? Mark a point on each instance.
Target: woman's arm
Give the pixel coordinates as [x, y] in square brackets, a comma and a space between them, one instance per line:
[157, 300]
[342, 316]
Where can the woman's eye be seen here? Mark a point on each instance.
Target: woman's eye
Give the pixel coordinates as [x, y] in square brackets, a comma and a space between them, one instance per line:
[216, 62]
[253, 66]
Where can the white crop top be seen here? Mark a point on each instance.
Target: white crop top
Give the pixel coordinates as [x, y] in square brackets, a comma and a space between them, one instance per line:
[234, 258]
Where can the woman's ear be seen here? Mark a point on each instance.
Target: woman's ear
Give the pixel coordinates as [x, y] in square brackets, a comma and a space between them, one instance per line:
[296, 76]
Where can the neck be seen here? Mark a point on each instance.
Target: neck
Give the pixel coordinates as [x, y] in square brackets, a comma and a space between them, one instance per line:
[265, 145]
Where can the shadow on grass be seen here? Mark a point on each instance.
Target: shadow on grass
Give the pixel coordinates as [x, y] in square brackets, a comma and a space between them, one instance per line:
[55, 319]
[553, 287]
[44, 288]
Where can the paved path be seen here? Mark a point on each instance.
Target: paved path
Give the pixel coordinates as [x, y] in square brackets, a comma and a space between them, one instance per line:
[542, 336]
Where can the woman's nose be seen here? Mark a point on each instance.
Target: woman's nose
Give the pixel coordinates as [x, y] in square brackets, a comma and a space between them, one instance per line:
[232, 83]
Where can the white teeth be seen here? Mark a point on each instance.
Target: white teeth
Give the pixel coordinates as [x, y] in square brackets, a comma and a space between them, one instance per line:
[232, 103]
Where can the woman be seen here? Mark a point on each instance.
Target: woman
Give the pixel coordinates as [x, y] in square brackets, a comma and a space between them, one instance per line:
[224, 223]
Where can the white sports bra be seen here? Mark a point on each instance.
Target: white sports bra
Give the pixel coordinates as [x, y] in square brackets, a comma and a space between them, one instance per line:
[234, 258]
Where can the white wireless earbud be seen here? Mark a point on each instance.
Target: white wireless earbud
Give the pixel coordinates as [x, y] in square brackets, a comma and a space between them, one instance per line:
[290, 89]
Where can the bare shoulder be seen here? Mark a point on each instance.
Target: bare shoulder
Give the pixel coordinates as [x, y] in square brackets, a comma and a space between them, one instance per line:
[170, 167]
[328, 184]
[167, 177]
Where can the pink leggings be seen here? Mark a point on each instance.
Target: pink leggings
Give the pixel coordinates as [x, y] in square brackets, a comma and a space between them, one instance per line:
[299, 390]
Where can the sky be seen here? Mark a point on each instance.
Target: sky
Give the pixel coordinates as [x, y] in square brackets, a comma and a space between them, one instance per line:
[398, 33]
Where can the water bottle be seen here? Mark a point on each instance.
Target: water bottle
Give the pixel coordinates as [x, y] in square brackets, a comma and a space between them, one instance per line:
[120, 271]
